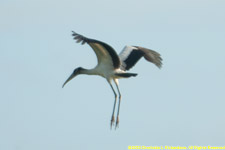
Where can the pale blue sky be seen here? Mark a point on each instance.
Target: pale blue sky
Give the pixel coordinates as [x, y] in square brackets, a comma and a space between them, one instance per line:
[181, 104]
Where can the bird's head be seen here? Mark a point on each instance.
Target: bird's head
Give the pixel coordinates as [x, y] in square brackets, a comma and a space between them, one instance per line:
[76, 72]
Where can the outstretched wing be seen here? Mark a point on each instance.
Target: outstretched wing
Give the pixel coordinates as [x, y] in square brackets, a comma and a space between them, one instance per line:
[131, 54]
[105, 53]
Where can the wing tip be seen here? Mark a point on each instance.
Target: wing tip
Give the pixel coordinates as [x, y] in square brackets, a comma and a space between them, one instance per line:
[79, 38]
[152, 56]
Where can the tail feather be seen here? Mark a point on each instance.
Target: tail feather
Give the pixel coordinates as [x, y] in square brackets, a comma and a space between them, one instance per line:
[127, 75]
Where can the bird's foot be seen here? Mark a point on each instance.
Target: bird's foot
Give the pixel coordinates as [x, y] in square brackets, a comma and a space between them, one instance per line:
[112, 121]
[117, 122]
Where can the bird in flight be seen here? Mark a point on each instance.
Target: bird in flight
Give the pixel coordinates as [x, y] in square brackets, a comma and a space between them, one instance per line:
[112, 66]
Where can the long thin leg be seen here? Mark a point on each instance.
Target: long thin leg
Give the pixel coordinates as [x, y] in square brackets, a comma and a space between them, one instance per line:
[117, 119]
[113, 118]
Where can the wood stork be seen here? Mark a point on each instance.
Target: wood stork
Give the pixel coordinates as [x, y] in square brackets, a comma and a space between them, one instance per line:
[112, 66]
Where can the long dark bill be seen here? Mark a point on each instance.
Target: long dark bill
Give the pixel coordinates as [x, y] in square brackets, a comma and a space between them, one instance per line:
[70, 78]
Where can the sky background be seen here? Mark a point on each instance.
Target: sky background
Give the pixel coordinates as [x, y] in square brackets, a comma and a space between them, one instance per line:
[181, 104]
